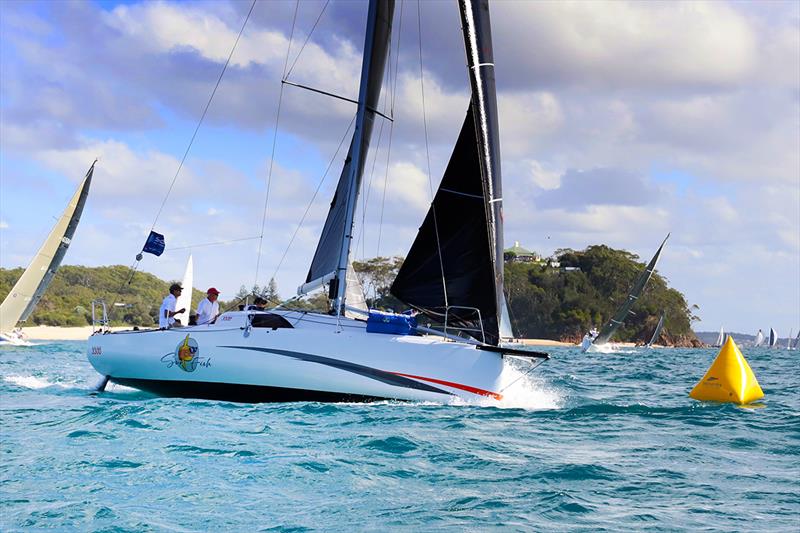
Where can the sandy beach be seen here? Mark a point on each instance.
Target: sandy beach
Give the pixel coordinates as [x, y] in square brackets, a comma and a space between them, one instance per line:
[52, 333]
[542, 342]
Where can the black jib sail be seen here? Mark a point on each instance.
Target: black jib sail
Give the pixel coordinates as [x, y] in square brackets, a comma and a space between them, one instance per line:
[332, 253]
[454, 270]
[622, 313]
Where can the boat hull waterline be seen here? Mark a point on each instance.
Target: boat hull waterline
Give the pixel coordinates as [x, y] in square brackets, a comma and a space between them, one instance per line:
[340, 361]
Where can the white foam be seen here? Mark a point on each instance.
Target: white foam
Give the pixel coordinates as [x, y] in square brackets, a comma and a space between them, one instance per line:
[521, 389]
[29, 382]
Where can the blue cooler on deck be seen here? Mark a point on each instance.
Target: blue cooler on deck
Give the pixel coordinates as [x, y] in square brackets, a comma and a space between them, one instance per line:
[380, 322]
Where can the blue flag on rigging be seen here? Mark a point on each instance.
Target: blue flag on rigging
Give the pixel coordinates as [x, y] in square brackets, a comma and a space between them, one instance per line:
[155, 244]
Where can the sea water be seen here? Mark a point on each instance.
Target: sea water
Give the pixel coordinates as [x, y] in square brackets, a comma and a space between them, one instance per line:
[584, 442]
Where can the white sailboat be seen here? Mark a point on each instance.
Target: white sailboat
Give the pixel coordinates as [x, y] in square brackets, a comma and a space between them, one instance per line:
[759, 339]
[789, 341]
[31, 286]
[773, 338]
[720, 338]
[599, 342]
[185, 299]
[656, 332]
[453, 275]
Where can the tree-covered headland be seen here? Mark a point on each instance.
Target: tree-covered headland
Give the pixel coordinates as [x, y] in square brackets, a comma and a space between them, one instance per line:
[564, 297]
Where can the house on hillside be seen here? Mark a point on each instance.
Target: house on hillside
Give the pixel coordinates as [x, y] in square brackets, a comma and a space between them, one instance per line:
[518, 254]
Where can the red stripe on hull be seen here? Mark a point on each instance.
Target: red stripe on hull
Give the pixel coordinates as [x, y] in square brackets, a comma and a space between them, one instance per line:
[473, 390]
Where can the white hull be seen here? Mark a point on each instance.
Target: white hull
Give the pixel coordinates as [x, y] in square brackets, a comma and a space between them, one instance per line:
[602, 348]
[13, 340]
[320, 358]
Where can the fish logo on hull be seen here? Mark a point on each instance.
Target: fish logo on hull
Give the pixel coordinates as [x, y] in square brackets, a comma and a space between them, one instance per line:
[186, 354]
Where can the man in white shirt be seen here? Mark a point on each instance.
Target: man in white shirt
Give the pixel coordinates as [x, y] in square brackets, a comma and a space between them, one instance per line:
[208, 308]
[167, 312]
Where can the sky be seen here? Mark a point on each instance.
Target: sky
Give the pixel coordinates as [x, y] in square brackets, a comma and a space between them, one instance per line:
[620, 122]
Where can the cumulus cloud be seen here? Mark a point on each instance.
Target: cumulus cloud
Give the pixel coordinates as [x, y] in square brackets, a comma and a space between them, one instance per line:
[624, 44]
[592, 97]
[600, 186]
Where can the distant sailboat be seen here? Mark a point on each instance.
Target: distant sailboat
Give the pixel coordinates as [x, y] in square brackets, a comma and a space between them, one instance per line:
[185, 299]
[773, 338]
[624, 310]
[759, 339]
[796, 342]
[789, 341]
[31, 286]
[657, 331]
[720, 337]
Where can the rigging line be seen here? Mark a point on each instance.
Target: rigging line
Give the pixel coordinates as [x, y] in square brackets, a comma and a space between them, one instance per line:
[203, 116]
[362, 231]
[428, 156]
[291, 37]
[391, 128]
[274, 144]
[116, 293]
[211, 243]
[310, 203]
[531, 369]
[286, 76]
[387, 96]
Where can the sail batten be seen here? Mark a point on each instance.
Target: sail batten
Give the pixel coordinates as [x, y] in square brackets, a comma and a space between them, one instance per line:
[31, 286]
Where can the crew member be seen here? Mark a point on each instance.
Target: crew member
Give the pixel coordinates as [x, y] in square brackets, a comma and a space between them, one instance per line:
[208, 308]
[167, 312]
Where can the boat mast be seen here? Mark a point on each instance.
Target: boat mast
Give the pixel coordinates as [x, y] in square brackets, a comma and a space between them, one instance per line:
[476, 26]
[331, 259]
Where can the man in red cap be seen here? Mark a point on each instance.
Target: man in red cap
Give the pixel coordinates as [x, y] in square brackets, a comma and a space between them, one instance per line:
[208, 308]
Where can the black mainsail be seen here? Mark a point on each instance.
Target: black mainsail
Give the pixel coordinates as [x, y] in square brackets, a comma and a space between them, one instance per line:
[455, 266]
[622, 313]
[333, 250]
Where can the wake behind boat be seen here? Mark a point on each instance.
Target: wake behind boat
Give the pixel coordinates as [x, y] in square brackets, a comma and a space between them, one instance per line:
[453, 275]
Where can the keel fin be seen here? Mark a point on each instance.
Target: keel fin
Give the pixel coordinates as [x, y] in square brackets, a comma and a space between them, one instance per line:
[101, 384]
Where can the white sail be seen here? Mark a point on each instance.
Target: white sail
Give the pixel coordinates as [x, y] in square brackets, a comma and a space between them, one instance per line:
[759, 338]
[720, 337]
[30, 287]
[185, 299]
[356, 302]
[657, 331]
[789, 341]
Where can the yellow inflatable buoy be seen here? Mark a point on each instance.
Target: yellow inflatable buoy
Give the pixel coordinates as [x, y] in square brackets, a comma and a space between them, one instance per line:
[729, 379]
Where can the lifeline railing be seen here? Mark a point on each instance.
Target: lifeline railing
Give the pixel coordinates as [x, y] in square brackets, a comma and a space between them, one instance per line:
[99, 325]
[461, 328]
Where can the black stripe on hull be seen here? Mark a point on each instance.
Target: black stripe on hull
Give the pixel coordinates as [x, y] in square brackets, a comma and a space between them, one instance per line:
[228, 392]
[361, 370]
